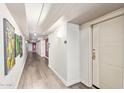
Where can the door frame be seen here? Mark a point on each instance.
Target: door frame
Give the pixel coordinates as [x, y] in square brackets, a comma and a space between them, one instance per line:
[92, 56]
[91, 26]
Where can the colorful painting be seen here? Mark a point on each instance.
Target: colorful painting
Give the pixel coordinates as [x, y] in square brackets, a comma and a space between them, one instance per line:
[9, 45]
[21, 49]
[17, 45]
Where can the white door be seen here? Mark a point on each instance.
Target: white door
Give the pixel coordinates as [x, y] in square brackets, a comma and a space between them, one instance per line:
[108, 47]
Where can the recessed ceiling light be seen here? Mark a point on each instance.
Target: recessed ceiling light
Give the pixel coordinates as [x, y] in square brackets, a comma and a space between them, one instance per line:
[34, 34]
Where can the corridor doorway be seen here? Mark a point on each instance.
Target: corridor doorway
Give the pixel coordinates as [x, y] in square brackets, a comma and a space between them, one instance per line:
[34, 47]
[108, 53]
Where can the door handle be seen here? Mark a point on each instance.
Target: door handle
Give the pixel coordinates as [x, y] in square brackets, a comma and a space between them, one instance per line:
[93, 54]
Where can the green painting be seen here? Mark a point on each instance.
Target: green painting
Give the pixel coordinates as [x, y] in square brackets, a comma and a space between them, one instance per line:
[21, 47]
[17, 45]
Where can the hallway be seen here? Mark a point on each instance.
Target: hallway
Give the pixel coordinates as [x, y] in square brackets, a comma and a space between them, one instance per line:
[37, 75]
[61, 45]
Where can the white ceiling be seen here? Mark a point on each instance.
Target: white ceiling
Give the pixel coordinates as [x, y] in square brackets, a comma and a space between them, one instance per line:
[43, 18]
[75, 13]
[33, 12]
[18, 12]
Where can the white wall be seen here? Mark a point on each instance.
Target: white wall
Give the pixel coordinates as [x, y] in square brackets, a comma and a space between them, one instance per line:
[57, 53]
[40, 48]
[30, 47]
[85, 55]
[73, 54]
[86, 46]
[11, 80]
[64, 59]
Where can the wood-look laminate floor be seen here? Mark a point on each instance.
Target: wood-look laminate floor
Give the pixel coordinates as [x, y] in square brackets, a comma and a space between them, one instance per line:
[37, 75]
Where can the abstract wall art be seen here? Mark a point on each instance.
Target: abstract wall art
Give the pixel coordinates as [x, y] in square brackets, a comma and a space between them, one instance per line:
[17, 45]
[21, 47]
[9, 45]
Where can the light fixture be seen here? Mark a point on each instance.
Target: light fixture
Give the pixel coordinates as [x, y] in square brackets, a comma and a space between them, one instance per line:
[35, 34]
[26, 41]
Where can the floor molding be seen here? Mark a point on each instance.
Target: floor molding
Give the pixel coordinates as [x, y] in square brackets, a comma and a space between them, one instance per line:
[66, 83]
[21, 73]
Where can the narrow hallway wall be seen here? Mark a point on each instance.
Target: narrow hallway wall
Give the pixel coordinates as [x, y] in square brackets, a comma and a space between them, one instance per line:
[40, 48]
[12, 78]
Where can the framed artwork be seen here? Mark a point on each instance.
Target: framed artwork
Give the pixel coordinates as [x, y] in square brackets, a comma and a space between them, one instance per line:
[9, 45]
[21, 47]
[17, 45]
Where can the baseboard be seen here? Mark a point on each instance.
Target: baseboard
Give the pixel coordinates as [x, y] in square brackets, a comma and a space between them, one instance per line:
[86, 83]
[45, 57]
[66, 83]
[69, 83]
[20, 74]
